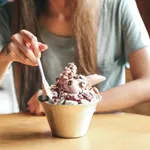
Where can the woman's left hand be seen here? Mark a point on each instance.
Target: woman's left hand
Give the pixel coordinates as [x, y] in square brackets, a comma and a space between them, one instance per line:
[34, 106]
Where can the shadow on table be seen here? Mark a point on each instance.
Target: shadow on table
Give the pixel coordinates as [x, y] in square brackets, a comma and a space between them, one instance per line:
[26, 136]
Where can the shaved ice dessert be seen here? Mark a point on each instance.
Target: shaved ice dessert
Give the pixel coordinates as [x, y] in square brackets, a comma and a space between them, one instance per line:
[72, 104]
[73, 89]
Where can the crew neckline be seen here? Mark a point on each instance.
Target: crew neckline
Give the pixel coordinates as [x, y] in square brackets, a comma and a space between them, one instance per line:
[52, 38]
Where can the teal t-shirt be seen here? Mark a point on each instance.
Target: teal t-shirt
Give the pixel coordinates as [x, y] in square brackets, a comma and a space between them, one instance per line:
[121, 31]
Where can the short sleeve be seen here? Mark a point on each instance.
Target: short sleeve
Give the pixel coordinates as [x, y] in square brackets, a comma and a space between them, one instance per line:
[5, 31]
[135, 35]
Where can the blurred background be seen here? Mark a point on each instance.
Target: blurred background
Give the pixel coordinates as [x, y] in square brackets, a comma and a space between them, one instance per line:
[8, 101]
[5, 1]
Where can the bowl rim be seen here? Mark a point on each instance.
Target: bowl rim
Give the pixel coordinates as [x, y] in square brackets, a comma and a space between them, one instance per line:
[78, 105]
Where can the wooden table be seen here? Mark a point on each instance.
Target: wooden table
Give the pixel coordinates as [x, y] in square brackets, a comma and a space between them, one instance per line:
[107, 132]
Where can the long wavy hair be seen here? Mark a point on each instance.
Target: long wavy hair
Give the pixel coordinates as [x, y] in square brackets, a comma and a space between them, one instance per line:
[84, 27]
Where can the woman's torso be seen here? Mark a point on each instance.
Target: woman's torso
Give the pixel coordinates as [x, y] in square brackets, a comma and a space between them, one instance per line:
[110, 52]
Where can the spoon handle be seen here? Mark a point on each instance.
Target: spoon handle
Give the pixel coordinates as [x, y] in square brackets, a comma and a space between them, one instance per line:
[44, 81]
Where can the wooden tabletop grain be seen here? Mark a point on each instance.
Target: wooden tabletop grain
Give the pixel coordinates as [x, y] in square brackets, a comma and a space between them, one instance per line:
[107, 132]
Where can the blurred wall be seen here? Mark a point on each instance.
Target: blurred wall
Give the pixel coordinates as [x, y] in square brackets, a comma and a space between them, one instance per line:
[144, 8]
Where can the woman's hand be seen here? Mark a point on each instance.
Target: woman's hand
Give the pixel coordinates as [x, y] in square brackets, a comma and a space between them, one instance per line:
[24, 48]
[34, 106]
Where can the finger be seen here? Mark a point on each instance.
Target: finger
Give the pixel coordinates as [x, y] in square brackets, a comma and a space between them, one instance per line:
[39, 110]
[26, 61]
[29, 102]
[40, 114]
[29, 37]
[32, 102]
[30, 109]
[34, 99]
[42, 47]
[95, 79]
[28, 52]
[22, 58]
[17, 55]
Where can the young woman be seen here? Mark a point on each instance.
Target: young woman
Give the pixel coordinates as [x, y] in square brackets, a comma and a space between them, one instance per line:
[99, 36]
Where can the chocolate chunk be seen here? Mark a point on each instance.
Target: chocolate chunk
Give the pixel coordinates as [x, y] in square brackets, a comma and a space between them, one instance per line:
[82, 84]
[70, 82]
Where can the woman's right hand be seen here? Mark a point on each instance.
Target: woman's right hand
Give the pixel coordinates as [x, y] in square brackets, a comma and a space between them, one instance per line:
[24, 48]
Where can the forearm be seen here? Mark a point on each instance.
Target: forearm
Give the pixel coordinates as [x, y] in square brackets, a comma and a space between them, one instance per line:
[125, 96]
[4, 64]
